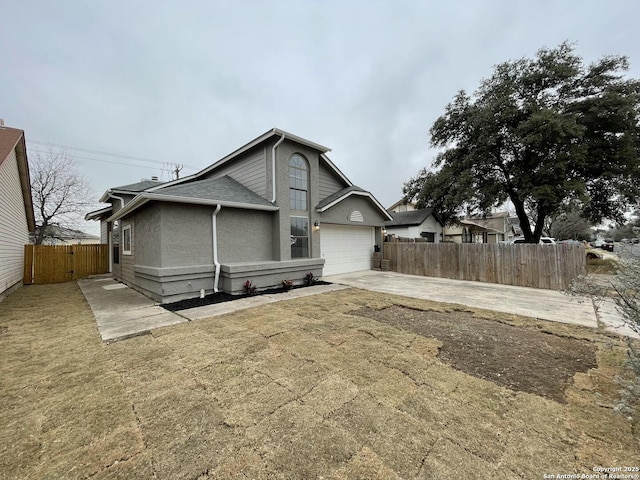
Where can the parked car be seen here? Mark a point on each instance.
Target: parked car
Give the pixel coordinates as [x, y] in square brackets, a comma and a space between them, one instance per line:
[570, 242]
[607, 245]
[543, 240]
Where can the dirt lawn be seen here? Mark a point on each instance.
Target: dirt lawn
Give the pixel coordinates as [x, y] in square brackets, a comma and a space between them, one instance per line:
[344, 385]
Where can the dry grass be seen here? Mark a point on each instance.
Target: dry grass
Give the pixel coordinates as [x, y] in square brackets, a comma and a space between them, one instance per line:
[297, 389]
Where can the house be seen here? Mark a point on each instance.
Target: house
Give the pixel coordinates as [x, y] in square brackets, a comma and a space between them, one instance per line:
[422, 223]
[493, 228]
[57, 235]
[16, 208]
[274, 209]
[402, 205]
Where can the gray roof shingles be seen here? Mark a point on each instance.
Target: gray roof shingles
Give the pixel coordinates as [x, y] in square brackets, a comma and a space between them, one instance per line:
[139, 186]
[413, 217]
[224, 189]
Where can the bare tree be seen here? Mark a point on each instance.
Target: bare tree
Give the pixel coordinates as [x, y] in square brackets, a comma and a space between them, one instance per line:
[59, 192]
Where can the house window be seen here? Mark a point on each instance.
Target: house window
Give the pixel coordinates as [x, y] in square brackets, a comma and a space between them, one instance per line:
[298, 183]
[126, 240]
[299, 237]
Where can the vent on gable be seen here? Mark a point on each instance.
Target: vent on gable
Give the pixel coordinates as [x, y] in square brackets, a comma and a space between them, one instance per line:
[356, 216]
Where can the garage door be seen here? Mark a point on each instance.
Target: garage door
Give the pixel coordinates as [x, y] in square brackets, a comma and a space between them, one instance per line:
[346, 249]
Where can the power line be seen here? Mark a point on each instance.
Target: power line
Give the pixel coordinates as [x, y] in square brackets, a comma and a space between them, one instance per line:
[96, 159]
[100, 152]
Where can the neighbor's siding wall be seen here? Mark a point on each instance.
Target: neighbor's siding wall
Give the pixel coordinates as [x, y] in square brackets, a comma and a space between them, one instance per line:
[104, 232]
[250, 171]
[14, 232]
[328, 184]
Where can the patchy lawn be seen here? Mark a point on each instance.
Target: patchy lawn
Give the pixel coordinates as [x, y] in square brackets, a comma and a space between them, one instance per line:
[348, 384]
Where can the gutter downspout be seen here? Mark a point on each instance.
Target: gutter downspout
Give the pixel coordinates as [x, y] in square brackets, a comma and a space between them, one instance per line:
[214, 238]
[273, 166]
[118, 198]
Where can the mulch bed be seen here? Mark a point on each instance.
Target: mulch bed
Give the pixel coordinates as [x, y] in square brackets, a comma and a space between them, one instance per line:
[222, 297]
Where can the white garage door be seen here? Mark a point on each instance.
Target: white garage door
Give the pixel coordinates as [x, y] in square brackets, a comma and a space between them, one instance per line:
[346, 249]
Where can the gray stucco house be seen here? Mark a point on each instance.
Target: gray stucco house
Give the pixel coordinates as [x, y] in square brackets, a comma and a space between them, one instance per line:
[274, 209]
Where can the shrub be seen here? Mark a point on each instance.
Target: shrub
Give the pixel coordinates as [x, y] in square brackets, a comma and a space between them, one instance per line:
[287, 284]
[249, 288]
[309, 279]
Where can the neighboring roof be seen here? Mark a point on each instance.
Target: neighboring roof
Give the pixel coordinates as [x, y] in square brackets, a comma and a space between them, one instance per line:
[402, 201]
[63, 233]
[96, 214]
[483, 224]
[414, 217]
[10, 139]
[223, 191]
[341, 195]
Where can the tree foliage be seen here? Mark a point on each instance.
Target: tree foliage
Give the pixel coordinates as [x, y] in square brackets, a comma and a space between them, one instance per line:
[59, 192]
[545, 133]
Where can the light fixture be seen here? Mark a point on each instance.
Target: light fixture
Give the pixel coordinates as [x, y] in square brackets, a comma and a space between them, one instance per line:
[316, 225]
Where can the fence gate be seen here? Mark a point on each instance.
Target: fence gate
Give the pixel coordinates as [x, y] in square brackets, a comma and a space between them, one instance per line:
[63, 263]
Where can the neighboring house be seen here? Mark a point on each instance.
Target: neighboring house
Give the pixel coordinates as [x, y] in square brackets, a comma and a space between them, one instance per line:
[56, 235]
[16, 208]
[402, 206]
[494, 228]
[423, 223]
[274, 209]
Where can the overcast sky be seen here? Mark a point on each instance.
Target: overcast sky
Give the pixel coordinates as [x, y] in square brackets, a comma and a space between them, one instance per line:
[188, 82]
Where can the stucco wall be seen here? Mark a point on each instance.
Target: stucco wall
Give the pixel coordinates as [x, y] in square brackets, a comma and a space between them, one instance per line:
[147, 235]
[244, 235]
[14, 232]
[186, 235]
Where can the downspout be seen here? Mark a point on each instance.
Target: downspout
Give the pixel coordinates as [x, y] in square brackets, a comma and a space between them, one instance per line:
[214, 238]
[118, 198]
[273, 166]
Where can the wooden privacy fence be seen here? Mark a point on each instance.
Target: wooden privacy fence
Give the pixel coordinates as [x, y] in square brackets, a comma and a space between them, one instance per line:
[526, 265]
[63, 263]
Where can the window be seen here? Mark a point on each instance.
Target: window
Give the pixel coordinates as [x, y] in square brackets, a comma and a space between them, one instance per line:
[299, 237]
[126, 240]
[298, 183]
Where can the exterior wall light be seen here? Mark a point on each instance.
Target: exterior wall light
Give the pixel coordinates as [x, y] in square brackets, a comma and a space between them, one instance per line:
[316, 225]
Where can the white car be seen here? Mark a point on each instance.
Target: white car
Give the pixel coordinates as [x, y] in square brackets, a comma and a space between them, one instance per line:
[543, 240]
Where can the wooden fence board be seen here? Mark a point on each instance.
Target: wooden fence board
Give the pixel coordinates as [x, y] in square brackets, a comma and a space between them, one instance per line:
[539, 266]
[63, 263]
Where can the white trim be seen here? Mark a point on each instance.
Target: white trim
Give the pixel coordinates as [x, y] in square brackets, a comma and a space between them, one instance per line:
[122, 232]
[356, 192]
[145, 197]
[95, 215]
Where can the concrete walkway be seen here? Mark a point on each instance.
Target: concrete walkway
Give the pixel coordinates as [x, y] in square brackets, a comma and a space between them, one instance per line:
[122, 312]
[531, 302]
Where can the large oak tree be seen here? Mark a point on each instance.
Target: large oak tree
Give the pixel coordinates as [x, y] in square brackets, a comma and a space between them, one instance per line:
[547, 133]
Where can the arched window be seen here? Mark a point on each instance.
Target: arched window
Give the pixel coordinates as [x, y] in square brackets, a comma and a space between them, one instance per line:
[298, 183]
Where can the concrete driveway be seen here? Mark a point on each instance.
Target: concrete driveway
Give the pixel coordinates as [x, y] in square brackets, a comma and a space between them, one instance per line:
[531, 302]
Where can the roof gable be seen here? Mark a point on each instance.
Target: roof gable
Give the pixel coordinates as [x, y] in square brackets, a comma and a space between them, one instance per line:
[345, 193]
